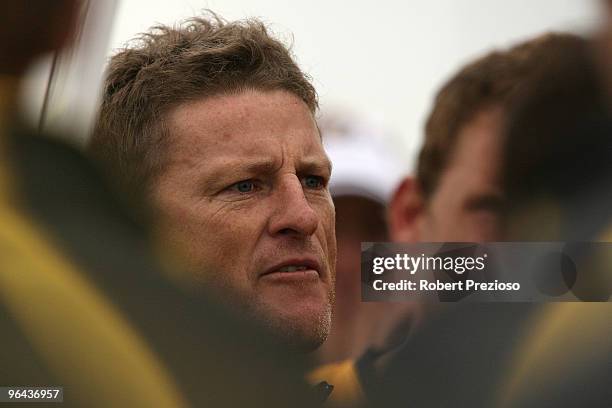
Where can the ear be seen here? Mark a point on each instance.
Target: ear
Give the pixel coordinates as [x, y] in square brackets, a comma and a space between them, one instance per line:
[405, 211]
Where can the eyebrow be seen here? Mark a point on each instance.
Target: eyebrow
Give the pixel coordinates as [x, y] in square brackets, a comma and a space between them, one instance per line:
[265, 166]
[223, 169]
[315, 165]
[487, 200]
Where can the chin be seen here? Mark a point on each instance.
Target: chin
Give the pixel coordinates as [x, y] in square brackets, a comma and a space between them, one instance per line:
[303, 327]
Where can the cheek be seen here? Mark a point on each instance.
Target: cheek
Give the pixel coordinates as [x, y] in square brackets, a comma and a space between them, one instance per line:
[212, 240]
[234, 237]
[487, 226]
[327, 215]
[187, 231]
[435, 222]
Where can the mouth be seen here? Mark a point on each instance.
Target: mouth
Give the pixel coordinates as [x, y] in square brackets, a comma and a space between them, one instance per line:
[294, 269]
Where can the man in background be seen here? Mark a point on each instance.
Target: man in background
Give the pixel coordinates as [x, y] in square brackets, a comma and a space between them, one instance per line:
[490, 354]
[456, 194]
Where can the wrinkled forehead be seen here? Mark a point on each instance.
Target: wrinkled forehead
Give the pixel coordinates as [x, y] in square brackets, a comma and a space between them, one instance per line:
[249, 125]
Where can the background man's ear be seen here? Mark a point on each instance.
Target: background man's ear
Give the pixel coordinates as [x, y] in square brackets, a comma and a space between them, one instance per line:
[405, 211]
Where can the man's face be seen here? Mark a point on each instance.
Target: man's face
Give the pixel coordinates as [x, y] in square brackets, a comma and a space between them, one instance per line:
[467, 203]
[244, 195]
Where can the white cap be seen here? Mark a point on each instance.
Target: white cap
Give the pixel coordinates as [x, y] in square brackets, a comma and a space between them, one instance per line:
[363, 161]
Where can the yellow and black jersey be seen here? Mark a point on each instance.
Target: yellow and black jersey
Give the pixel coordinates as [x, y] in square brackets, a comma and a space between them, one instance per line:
[504, 355]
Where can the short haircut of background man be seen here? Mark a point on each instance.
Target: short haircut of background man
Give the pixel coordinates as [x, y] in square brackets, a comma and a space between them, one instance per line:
[214, 122]
[456, 194]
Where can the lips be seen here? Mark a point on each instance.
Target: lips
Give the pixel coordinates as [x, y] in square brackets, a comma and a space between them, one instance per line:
[294, 266]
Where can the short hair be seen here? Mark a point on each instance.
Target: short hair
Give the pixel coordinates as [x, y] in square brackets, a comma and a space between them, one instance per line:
[489, 81]
[201, 57]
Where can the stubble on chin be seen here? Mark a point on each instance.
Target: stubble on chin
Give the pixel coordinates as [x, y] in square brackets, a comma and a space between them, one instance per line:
[299, 333]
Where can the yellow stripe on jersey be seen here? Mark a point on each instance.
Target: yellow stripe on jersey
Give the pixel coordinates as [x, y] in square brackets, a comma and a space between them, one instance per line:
[79, 335]
[343, 376]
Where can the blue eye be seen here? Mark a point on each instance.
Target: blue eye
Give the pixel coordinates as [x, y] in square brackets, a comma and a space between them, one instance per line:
[314, 182]
[245, 186]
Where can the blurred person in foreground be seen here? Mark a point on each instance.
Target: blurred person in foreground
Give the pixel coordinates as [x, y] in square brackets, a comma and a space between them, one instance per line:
[83, 304]
[528, 355]
[557, 174]
[214, 122]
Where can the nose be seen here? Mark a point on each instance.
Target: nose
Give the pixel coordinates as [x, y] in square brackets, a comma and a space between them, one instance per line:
[293, 214]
